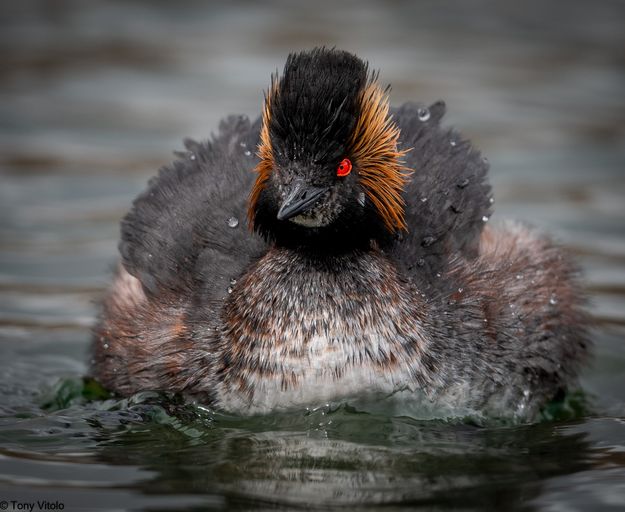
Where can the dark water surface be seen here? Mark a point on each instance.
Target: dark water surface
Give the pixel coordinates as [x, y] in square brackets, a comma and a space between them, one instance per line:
[94, 96]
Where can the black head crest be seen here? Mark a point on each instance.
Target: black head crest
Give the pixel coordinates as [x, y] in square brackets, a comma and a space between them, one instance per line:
[315, 104]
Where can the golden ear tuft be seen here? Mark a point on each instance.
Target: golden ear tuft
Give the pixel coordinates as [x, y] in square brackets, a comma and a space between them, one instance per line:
[265, 153]
[373, 146]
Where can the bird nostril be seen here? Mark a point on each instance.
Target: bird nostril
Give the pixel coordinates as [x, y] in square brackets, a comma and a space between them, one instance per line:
[304, 194]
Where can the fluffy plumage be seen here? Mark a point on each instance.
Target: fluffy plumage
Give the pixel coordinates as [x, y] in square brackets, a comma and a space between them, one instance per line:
[391, 286]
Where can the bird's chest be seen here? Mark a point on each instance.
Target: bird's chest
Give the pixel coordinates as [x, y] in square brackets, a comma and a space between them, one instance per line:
[299, 333]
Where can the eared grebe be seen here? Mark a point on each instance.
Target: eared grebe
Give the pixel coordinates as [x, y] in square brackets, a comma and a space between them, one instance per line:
[368, 269]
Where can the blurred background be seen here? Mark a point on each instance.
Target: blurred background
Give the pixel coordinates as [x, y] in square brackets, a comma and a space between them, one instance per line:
[95, 96]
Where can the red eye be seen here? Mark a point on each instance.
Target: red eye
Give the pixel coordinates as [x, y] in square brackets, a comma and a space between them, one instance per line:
[344, 168]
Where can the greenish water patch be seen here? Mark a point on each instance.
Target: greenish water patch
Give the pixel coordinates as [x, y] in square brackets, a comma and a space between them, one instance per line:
[574, 405]
[72, 391]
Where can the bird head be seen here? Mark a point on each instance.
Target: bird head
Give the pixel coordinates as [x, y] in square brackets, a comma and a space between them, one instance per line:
[330, 172]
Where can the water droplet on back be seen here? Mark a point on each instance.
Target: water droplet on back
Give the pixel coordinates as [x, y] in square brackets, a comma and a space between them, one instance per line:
[485, 218]
[247, 152]
[233, 222]
[553, 300]
[423, 114]
[453, 143]
[192, 156]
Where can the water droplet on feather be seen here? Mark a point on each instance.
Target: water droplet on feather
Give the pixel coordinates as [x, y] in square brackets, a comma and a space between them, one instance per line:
[423, 114]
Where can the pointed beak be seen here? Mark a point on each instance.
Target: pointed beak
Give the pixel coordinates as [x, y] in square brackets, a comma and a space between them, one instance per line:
[300, 198]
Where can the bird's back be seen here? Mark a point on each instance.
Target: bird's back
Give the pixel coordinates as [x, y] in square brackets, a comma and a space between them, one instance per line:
[447, 196]
[188, 229]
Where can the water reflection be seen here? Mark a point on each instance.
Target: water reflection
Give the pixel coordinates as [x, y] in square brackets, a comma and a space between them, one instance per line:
[347, 459]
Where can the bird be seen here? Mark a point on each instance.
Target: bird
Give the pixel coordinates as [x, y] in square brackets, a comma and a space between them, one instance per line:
[337, 249]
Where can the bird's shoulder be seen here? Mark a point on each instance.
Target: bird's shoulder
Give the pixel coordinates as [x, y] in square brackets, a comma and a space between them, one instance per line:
[188, 227]
[447, 196]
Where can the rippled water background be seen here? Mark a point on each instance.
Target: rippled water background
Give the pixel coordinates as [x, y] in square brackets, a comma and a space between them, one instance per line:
[95, 95]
